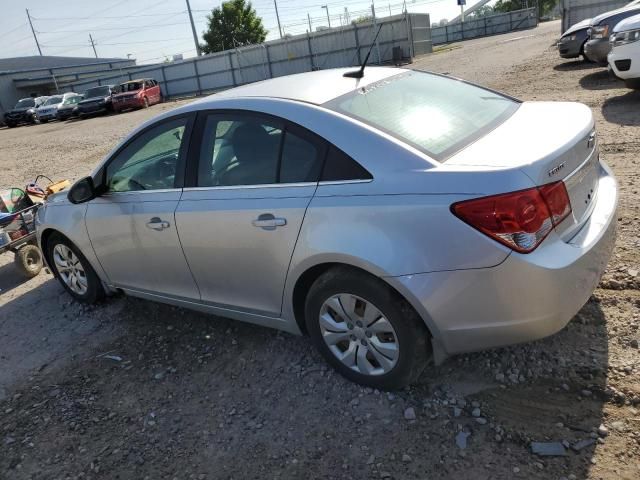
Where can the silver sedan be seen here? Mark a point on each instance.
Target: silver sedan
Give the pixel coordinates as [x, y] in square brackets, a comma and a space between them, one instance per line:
[393, 218]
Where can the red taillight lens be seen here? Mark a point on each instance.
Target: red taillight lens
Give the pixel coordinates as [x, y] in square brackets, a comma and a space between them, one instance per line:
[520, 220]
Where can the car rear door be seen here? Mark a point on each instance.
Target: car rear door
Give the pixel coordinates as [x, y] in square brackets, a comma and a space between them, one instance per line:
[239, 220]
[132, 226]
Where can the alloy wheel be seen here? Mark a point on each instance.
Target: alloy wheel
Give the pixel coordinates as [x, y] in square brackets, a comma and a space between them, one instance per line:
[70, 269]
[358, 334]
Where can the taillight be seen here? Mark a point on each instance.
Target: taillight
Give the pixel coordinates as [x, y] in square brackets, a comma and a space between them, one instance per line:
[520, 220]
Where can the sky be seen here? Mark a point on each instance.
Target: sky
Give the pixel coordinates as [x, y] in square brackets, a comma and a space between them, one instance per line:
[151, 30]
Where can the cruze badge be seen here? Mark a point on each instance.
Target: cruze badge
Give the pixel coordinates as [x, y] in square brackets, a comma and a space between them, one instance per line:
[555, 170]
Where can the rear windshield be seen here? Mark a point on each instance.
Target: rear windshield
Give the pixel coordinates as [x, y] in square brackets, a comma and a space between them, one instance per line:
[97, 92]
[434, 113]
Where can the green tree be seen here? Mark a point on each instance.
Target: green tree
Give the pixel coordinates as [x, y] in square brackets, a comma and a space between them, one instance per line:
[233, 24]
[544, 6]
[483, 11]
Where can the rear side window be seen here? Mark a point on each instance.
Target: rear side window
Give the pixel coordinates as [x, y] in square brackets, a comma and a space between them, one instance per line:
[436, 114]
[340, 166]
[300, 160]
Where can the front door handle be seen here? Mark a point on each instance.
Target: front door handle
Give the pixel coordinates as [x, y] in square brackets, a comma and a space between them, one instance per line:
[268, 221]
[157, 224]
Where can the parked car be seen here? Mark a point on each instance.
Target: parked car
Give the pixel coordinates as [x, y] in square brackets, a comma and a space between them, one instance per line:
[598, 47]
[571, 43]
[390, 217]
[96, 100]
[624, 58]
[137, 94]
[23, 112]
[48, 110]
[69, 107]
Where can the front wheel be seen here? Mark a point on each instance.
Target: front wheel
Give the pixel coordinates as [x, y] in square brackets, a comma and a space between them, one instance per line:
[365, 330]
[73, 270]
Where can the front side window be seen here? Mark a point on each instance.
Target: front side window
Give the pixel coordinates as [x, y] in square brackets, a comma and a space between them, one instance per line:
[246, 150]
[433, 113]
[149, 162]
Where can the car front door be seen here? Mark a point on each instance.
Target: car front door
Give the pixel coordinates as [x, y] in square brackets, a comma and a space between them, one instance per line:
[239, 223]
[132, 226]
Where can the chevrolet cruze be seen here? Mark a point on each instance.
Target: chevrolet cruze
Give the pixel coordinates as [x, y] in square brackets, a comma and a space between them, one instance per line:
[394, 218]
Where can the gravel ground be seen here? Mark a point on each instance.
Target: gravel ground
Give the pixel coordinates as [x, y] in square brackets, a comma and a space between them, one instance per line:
[132, 389]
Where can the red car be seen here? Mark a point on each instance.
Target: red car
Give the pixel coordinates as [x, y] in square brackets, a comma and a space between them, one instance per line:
[136, 94]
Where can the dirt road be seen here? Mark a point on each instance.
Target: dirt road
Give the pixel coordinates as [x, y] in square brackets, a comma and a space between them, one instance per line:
[132, 389]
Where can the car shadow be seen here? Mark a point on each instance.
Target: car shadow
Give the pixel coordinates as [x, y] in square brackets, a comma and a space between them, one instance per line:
[600, 80]
[10, 277]
[623, 109]
[213, 392]
[574, 65]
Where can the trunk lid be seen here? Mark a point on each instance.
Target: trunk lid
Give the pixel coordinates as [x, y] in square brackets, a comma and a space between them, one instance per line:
[548, 141]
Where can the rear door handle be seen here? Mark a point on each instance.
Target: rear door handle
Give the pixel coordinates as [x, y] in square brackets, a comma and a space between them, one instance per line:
[268, 221]
[157, 224]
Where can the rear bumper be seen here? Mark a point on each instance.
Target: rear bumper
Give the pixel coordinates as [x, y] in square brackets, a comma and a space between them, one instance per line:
[597, 50]
[624, 60]
[526, 297]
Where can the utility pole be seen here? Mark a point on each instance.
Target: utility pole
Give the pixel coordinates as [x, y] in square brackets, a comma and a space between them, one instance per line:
[390, 10]
[193, 30]
[326, 7]
[309, 19]
[346, 15]
[93, 45]
[278, 17]
[34, 32]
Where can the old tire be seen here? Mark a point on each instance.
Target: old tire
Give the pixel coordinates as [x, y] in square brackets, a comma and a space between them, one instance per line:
[73, 270]
[373, 336]
[28, 260]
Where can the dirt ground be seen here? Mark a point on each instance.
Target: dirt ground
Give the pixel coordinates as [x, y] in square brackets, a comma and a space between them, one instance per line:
[136, 390]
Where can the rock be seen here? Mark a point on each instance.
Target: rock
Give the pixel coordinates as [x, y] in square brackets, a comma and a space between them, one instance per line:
[481, 420]
[585, 393]
[565, 387]
[371, 460]
[633, 272]
[576, 447]
[633, 343]
[385, 475]
[516, 470]
[618, 426]
[499, 377]
[115, 358]
[406, 458]
[475, 404]
[548, 449]
[513, 378]
[159, 376]
[410, 414]
[457, 411]
[461, 439]
[9, 440]
[603, 431]
[475, 412]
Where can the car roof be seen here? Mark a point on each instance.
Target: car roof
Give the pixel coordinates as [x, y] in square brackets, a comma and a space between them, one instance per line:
[603, 16]
[316, 87]
[630, 23]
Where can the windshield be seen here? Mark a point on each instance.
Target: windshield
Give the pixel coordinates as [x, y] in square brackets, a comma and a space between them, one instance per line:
[26, 102]
[53, 101]
[130, 87]
[97, 92]
[434, 113]
[72, 100]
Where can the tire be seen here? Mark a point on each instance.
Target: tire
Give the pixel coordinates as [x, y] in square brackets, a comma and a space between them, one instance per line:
[89, 291]
[12, 125]
[409, 333]
[29, 260]
[145, 102]
[44, 121]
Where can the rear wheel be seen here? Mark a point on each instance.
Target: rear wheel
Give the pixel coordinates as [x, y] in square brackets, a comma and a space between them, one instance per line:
[73, 270]
[365, 330]
[29, 260]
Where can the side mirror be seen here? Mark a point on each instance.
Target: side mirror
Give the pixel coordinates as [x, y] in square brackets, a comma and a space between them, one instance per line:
[82, 191]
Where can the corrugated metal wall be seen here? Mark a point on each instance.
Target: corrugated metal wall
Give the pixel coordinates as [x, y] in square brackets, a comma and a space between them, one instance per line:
[337, 47]
[574, 11]
[491, 25]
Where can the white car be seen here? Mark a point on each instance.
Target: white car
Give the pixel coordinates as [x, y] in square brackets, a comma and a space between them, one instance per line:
[624, 58]
[48, 110]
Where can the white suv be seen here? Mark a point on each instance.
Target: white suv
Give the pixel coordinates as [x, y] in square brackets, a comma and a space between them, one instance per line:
[624, 58]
